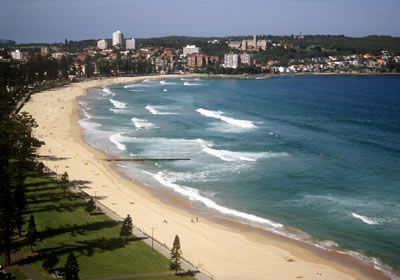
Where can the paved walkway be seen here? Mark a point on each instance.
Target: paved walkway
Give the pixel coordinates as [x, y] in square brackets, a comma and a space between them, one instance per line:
[27, 268]
[138, 275]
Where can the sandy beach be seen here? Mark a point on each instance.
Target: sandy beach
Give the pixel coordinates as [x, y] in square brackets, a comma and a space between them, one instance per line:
[222, 248]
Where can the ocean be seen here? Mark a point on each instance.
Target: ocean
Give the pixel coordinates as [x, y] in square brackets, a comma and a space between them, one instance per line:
[310, 157]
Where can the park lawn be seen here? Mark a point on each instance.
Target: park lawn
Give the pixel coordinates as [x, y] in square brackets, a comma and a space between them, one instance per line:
[64, 226]
[14, 270]
[167, 277]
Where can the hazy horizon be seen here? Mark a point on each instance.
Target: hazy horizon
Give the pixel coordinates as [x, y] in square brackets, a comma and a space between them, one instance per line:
[48, 21]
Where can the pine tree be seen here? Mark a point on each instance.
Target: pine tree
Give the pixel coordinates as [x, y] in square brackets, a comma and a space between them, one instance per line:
[65, 181]
[32, 231]
[126, 229]
[71, 270]
[90, 206]
[176, 254]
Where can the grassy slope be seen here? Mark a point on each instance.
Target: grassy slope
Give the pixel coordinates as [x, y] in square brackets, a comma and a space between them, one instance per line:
[65, 226]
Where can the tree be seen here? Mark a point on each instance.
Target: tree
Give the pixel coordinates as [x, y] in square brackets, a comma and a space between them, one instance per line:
[65, 181]
[64, 67]
[17, 146]
[90, 206]
[126, 229]
[31, 233]
[71, 270]
[176, 254]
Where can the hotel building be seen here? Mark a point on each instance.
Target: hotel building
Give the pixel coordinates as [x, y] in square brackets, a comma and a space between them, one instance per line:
[117, 38]
[102, 44]
[130, 44]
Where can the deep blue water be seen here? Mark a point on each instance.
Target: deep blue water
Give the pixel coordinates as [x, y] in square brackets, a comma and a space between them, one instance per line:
[316, 154]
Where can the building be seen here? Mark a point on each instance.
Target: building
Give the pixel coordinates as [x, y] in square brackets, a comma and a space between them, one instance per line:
[231, 60]
[234, 44]
[130, 44]
[198, 60]
[249, 44]
[102, 44]
[44, 50]
[246, 58]
[190, 49]
[17, 55]
[58, 55]
[169, 54]
[117, 38]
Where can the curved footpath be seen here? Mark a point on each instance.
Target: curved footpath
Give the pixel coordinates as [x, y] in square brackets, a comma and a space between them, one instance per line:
[226, 250]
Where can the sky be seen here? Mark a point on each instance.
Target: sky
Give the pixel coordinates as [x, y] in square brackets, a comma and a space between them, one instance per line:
[54, 20]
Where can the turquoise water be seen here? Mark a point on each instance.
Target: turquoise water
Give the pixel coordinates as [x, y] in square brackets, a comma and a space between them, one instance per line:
[314, 158]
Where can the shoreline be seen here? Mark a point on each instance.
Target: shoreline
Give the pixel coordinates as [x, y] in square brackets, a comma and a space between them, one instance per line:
[226, 248]
[301, 74]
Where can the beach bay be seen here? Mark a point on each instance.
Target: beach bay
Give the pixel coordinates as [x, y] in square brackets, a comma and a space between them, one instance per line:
[218, 245]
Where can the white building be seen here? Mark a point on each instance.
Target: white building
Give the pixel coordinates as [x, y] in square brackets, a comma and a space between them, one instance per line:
[130, 44]
[17, 55]
[190, 49]
[231, 60]
[117, 38]
[102, 44]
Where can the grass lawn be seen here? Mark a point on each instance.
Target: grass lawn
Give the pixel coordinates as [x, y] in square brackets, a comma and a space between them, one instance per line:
[64, 226]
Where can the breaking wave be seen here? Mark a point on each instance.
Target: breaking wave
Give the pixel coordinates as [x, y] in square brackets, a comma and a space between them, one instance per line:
[107, 91]
[118, 104]
[142, 123]
[194, 195]
[189, 84]
[242, 156]
[118, 139]
[159, 110]
[220, 116]
[368, 220]
[167, 83]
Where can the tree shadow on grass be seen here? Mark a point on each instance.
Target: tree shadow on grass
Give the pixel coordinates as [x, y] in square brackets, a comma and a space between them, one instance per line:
[41, 187]
[79, 184]
[61, 207]
[75, 229]
[33, 186]
[53, 197]
[86, 248]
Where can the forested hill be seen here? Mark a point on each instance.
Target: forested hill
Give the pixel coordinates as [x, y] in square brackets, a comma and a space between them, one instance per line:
[317, 45]
[6, 43]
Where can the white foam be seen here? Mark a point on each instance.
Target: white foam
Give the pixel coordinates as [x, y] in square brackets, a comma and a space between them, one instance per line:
[89, 126]
[137, 90]
[194, 195]
[137, 85]
[219, 115]
[142, 123]
[165, 89]
[86, 114]
[189, 84]
[118, 104]
[84, 109]
[203, 176]
[119, 111]
[84, 105]
[167, 83]
[240, 156]
[158, 110]
[187, 79]
[107, 91]
[118, 139]
[367, 220]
